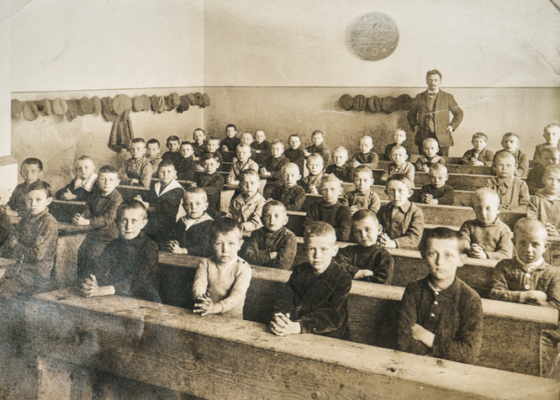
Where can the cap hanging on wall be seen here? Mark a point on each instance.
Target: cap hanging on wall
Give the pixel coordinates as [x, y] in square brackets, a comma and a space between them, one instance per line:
[107, 109]
[44, 106]
[85, 107]
[72, 112]
[121, 103]
[30, 111]
[345, 102]
[158, 104]
[389, 104]
[16, 108]
[59, 106]
[374, 104]
[205, 100]
[359, 102]
[95, 105]
[185, 104]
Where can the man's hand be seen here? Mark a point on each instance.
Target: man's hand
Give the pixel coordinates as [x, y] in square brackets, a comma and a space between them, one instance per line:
[423, 335]
[386, 241]
[362, 273]
[449, 129]
[68, 195]
[174, 247]
[281, 325]
[533, 297]
[477, 252]
[207, 306]
[80, 220]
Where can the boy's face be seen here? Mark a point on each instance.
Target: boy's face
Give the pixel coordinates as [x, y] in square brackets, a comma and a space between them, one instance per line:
[330, 192]
[294, 142]
[131, 222]
[231, 132]
[340, 157]
[211, 166]
[366, 231]
[399, 137]
[552, 135]
[137, 150]
[227, 245]
[549, 158]
[320, 252]
[186, 151]
[291, 176]
[166, 174]
[198, 137]
[152, 150]
[443, 258]
[363, 181]
[249, 185]
[479, 144]
[173, 145]
[277, 150]
[366, 145]
[274, 218]
[247, 138]
[195, 205]
[530, 245]
[399, 156]
[398, 193]
[260, 136]
[487, 208]
[510, 144]
[30, 173]
[551, 180]
[430, 148]
[243, 154]
[84, 169]
[37, 201]
[315, 165]
[107, 182]
[317, 139]
[213, 145]
[438, 178]
[505, 167]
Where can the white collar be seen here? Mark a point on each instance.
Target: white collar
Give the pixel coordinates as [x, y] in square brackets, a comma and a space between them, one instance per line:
[87, 184]
[530, 266]
[192, 222]
[172, 185]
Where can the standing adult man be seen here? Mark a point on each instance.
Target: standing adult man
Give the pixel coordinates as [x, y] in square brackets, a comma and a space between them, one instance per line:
[429, 115]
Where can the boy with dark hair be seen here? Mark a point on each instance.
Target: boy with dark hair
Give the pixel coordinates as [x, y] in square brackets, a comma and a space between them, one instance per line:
[210, 180]
[31, 171]
[152, 154]
[479, 155]
[440, 315]
[137, 169]
[318, 147]
[229, 145]
[290, 193]
[261, 147]
[363, 197]
[510, 144]
[272, 167]
[295, 154]
[81, 187]
[173, 145]
[187, 167]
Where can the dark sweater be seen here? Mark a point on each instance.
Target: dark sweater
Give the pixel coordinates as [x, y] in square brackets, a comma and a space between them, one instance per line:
[296, 156]
[5, 226]
[338, 215]
[256, 250]
[370, 159]
[293, 197]
[186, 169]
[534, 179]
[263, 151]
[196, 239]
[344, 173]
[274, 167]
[445, 195]
[17, 199]
[322, 150]
[408, 234]
[173, 156]
[374, 258]
[165, 207]
[212, 185]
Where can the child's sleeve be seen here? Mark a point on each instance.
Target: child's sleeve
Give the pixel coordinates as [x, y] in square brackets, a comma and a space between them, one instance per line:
[344, 259]
[61, 192]
[504, 247]
[466, 157]
[146, 175]
[168, 202]
[254, 221]
[286, 254]
[310, 217]
[524, 196]
[344, 224]
[418, 164]
[45, 242]
[251, 253]
[200, 284]
[523, 166]
[537, 154]
[465, 233]
[372, 164]
[382, 266]
[107, 217]
[277, 173]
[296, 202]
[423, 193]
[499, 287]
[216, 185]
[553, 292]
[410, 173]
[375, 203]
[533, 180]
[489, 159]
[411, 237]
[448, 197]
[407, 318]
[533, 208]
[238, 290]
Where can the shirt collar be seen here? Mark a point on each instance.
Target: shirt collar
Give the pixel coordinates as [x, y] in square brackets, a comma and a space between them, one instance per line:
[448, 292]
[32, 217]
[191, 222]
[172, 185]
[430, 93]
[87, 184]
[405, 207]
[504, 181]
[539, 264]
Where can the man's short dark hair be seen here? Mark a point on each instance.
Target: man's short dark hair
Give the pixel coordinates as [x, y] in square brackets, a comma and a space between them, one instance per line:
[434, 72]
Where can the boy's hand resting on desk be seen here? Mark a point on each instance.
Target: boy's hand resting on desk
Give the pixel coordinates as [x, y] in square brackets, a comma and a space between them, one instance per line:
[551, 230]
[356, 164]
[425, 168]
[273, 255]
[174, 247]
[533, 297]
[362, 273]
[91, 288]
[264, 172]
[504, 207]
[354, 210]
[68, 195]
[313, 189]
[224, 148]
[477, 251]
[207, 306]
[134, 182]
[80, 220]
[386, 241]
[423, 335]
[281, 325]
[138, 198]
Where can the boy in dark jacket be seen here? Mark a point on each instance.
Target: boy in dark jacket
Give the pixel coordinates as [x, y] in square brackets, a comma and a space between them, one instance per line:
[81, 187]
[31, 171]
[290, 193]
[211, 181]
[271, 169]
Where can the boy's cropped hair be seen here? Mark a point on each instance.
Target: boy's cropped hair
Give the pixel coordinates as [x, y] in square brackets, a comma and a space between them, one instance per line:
[314, 156]
[278, 141]
[503, 154]
[199, 129]
[438, 167]
[360, 215]
[363, 168]
[400, 177]
[244, 145]
[187, 143]
[224, 226]
[511, 134]
[231, 126]
[319, 229]
[131, 205]
[137, 140]
[33, 161]
[430, 140]
[289, 166]
[480, 135]
[173, 139]
[367, 137]
[441, 233]
[86, 158]
[108, 169]
[196, 190]
[166, 163]
[398, 147]
[40, 185]
[212, 138]
[207, 156]
[153, 141]
[434, 72]
[317, 133]
[481, 192]
[273, 203]
[248, 172]
[340, 148]
[294, 135]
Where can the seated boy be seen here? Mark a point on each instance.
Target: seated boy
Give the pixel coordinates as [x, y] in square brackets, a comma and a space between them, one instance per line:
[199, 143]
[552, 139]
[271, 169]
[31, 171]
[80, 188]
[510, 143]
[100, 213]
[399, 165]
[128, 265]
[5, 226]
[295, 154]
[440, 315]
[243, 162]
[545, 204]
[164, 199]
[229, 145]
[187, 166]
[173, 144]
[320, 289]
[312, 182]
[213, 147]
[273, 245]
[366, 156]
[195, 228]
[367, 260]
[399, 138]
[137, 169]
[479, 155]
[438, 192]
[330, 210]
[221, 281]
[290, 193]
[548, 156]
[527, 278]
[429, 157]
[152, 154]
[487, 236]
[32, 245]
[513, 192]
[341, 169]
[246, 208]
[248, 139]
[211, 181]
[261, 147]
[318, 147]
[363, 197]
[402, 221]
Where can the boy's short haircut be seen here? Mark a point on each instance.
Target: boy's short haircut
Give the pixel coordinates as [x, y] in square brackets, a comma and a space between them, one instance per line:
[260, 130]
[243, 145]
[278, 141]
[196, 190]
[294, 135]
[231, 126]
[503, 154]
[366, 137]
[315, 156]
[274, 203]
[224, 226]
[551, 168]
[400, 130]
[331, 178]
[187, 143]
[166, 163]
[554, 124]
[511, 134]
[550, 149]
[528, 223]
[433, 72]
[248, 172]
[153, 141]
[363, 169]
[360, 215]
[212, 138]
[401, 178]
[398, 147]
[173, 139]
[289, 166]
[441, 233]
[479, 193]
[33, 161]
[131, 205]
[248, 133]
[437, 167]
[137, 140]
[480, 135]
[317, 133]
[340, 148]
[430, 140]
[86, 158]
[40, 185]
[199, 129]
[108, 169]
[208, 156]
[319, 229]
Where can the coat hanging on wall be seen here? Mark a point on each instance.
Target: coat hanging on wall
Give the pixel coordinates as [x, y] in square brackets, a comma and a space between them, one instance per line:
[121, 133]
